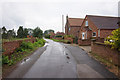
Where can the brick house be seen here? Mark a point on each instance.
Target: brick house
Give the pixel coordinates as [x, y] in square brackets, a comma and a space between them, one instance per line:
[72, 26]
[97, 27]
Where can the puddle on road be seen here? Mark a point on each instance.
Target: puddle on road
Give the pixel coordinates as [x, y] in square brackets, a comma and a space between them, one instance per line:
[65, 53]
[68, 57]
[46, 44]
[68, 62]
[25, 60]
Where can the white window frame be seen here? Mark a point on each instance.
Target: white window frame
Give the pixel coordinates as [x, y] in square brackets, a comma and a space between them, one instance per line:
[99, 33]
[92, 34]
[86, 23]
[83, 33]
[69, 28]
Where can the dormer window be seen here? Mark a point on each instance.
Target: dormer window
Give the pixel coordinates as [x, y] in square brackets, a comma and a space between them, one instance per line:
[86, 23]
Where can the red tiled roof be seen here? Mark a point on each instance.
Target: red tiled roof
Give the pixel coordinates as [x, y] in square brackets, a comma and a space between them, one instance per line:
[104, 22]
[75, 21]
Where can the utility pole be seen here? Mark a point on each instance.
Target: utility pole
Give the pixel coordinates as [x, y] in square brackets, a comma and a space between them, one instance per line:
[62, 23]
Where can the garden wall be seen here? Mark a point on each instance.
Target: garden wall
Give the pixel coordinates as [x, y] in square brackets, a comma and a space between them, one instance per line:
[9, 47]
[84, 42]
[69, 38]
[105, 51]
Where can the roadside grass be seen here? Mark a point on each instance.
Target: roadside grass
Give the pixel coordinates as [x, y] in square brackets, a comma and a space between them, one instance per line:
[64, 41]
[109, 65]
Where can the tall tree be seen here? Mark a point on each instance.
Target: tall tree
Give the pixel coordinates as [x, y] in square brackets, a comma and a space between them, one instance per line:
[20, 32]
[4, 32]
[37, 32]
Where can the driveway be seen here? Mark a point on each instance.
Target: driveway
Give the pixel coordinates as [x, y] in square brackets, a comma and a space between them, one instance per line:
[60, 60]
[86, 62]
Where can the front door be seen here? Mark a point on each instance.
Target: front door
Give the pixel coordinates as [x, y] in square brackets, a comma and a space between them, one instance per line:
[83, 35]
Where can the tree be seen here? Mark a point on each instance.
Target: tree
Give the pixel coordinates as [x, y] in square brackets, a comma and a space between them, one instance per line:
[4, 32]
[11, 34]
[114, 39]
[25, 32]
[48, 31]
[20, 32]
[37, 32]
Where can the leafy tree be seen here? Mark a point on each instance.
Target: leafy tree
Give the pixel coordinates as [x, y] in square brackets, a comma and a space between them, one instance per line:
[11, 34]
[20, 32]
[4, 32]
[37, 32]
[114, 39]
[25, 32]
[48, 31]
[47, 36]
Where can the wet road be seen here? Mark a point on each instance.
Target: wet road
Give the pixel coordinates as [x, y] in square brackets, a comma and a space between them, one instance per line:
[60, 61]
[53, 63]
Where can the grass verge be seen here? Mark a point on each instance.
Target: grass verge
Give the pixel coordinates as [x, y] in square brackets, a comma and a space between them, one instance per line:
[64, 41]
[109, 65]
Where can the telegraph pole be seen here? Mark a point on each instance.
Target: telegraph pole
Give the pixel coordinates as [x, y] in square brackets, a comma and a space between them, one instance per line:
[62, 23]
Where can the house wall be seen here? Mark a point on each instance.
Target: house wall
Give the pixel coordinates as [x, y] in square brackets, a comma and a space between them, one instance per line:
[74, 31]
[105, 51]
[105, 33]
[91, 25]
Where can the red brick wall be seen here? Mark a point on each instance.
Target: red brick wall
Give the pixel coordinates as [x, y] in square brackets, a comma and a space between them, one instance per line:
[9, 47]
[74, 31]
[58, 38]
[91, 25]
[84, 42]
[69, 38]
[105, 52]
[105, 32]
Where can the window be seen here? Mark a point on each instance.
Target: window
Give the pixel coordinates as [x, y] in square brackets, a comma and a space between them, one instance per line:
[94, 34]
[69, 28]
[99, 33]
[86, 23]
[83, 35]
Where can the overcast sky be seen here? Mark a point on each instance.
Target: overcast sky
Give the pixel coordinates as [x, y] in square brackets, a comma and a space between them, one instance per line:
[47, 14]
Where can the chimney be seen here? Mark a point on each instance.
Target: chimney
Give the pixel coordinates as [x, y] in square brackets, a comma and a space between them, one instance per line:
[66, 17]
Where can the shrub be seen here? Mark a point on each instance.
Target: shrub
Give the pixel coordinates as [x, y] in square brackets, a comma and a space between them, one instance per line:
[11, 62]
[5, 59]
[58, 36]
[47, 36]
[114, 39]
[24, 46]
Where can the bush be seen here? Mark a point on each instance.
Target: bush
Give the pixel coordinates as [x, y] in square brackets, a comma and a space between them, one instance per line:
[47, 36]
[58, 36]
[24, 46]
[114, 39]
[71, 36]
[5, 59]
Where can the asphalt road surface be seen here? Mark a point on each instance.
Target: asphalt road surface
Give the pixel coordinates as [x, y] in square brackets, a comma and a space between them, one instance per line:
[58, 60]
